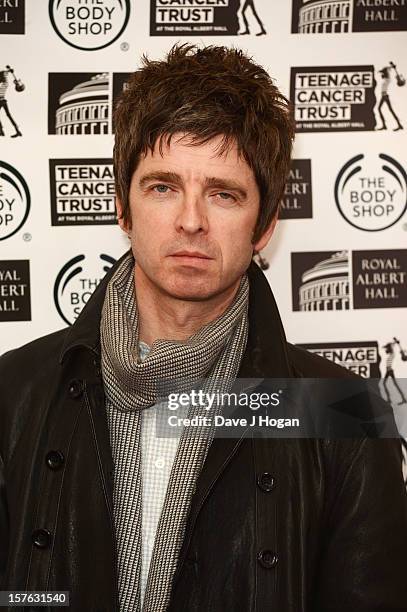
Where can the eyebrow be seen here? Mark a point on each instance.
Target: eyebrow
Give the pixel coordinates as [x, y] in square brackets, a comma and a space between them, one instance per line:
[210, 182]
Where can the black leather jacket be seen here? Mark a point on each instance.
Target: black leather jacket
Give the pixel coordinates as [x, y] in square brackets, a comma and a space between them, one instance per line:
[326, 532]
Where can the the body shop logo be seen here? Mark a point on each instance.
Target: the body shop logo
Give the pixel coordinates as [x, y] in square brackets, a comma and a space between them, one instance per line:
[82, 192]
[371, 192]
[89, 24]
[76, 281]
[14, 201]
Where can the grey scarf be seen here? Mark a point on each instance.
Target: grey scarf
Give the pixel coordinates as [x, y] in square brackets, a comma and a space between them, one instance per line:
[215, 351]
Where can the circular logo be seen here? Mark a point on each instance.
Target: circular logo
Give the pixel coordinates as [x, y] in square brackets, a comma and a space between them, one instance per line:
[371, 192]
[88, 24]
[14, 201]
[76, 281]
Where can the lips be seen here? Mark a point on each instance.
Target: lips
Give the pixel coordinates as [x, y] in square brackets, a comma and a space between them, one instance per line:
[191, 254]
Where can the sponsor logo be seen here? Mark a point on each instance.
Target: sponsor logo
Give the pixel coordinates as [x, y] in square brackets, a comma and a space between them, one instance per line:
[78, 103]
[362, 358]
[14, 201]
[379, 278]
[322, 280]
[371, 192]
[76, 281]
[297, 200]
[379, 15]
[12, 16]
[15, 303]
[81, 102]
[333, 98]
[339, 16]
[205, 17]
[89, 24]
[347, 98]
[82, 192]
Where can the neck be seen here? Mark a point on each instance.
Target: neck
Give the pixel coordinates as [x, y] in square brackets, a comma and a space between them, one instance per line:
[161, 316]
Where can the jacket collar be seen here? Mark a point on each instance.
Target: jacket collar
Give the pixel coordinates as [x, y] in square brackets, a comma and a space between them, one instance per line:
[266, 350]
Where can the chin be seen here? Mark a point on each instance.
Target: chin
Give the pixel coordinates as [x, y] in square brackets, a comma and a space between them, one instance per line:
[192, 289]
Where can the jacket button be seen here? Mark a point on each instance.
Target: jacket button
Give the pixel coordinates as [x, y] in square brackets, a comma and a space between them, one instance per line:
[75, 388]
[54, 460]
[267, 558]
[41, 538]
[265, 481]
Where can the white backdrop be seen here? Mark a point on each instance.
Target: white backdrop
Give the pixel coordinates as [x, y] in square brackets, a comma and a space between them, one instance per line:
[355, 318]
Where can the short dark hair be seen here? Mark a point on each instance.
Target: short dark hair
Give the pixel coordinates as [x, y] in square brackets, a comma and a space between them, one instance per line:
[206, 92]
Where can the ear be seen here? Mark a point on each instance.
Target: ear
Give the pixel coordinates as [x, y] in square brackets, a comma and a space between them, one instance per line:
[119, 210]
[264, 239]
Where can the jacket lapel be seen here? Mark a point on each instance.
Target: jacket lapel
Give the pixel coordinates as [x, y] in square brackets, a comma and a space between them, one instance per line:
[265, 357]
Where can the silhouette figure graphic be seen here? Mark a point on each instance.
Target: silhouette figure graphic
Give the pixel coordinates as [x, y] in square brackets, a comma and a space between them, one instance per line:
[391, 355]
[385, 98]
[244, 5]
[3, 103]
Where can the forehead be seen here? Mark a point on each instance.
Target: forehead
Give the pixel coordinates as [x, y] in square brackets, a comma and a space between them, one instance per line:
[186, 156]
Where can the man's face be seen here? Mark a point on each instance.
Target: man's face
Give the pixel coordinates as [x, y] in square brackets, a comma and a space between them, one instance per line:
[193, 213]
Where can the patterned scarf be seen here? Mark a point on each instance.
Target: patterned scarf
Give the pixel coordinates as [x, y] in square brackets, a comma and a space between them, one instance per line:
[215, 352]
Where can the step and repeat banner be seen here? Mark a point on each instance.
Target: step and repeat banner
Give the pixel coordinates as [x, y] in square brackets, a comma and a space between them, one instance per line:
[338, 260]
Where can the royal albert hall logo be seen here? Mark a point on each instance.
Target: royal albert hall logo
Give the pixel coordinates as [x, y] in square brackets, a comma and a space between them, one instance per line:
[14, 201]
[15, 300]
[341, 280]
[340, 16]
[89, 24]
[12, 16]
[81, 103]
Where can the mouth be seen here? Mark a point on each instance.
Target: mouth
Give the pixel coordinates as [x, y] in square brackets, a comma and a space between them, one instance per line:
[190, 255]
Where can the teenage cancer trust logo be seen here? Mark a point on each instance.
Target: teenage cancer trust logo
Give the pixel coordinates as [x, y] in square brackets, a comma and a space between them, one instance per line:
[89, 24]
[14, 201]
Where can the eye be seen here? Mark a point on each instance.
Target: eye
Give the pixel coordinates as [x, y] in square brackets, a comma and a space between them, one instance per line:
[161, 188]
[224, 195]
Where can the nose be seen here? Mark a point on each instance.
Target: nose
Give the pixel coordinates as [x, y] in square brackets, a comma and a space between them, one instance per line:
[192, 217]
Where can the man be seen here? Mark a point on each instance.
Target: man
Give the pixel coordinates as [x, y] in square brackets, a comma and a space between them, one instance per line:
[3, 103]
[390, 352]
[385, 98]
[92, 501]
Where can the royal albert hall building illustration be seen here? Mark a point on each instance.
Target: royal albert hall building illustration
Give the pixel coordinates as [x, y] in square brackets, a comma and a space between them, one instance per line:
[326, 285]
[324, 16]
[85, 108]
